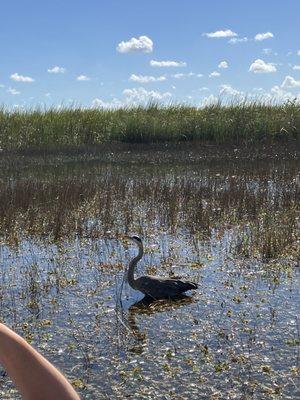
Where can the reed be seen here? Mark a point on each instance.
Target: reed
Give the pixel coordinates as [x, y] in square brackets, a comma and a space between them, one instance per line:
[236, 122]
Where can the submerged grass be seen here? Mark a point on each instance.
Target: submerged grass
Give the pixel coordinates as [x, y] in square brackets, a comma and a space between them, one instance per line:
[237, 122]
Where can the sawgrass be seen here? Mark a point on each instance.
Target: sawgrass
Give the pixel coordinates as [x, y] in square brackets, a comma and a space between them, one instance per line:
[237, 122]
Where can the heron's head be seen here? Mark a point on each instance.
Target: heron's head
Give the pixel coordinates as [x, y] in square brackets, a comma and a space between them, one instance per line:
[136, 240]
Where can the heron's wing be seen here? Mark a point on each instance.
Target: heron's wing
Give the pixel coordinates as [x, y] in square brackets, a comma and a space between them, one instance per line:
[161, 287]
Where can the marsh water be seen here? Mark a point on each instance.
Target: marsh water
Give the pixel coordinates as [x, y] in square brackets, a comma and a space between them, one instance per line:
[228, 223]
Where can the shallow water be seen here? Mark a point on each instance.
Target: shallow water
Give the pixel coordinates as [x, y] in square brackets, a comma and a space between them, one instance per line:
[237, 336]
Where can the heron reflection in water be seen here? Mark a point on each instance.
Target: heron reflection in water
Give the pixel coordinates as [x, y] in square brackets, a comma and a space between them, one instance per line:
[147, 307]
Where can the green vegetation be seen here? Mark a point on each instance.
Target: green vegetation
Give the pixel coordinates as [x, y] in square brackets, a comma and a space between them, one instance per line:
[233, 123]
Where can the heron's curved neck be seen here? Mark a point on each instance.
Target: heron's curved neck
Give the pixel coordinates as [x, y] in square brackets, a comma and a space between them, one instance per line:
[132, 266]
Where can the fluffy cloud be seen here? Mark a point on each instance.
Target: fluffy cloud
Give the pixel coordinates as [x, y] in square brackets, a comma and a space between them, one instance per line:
[223, 64]
[20, 78]
[146, 78]
[221, 34]
[214, 73]
[229, 90]
[187, 75]
[298, 53]
[98, 103]
[263, 36]
[141, 45]
[56, 70]
[141, 95]
[132, 97]
[209, 100]
[13, 91]
[296, 67]
[290, 82]
[277, 93]
[260, 66]
[83, 78]
[238, 40]
[160, 64]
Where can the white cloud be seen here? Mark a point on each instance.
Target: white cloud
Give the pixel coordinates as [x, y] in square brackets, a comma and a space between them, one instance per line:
[13, 91]
[203, 89]
[223, 64]
[83, 78]
[279, 94]
[229, 90]
[155, 63]
[132, 97]
[238, 40]
[263, 36]
[290, 82]
[141, 95]
[141, 45]
[21, 78]
[146, 78]
[18, 107]
[187, 75]
[209, 100]
[98, 103]
[48, 94]
[56, 70]
[260, 66]
[214, 73]
[268, 52]
[296, 67]
[221, 34]
[298, 53]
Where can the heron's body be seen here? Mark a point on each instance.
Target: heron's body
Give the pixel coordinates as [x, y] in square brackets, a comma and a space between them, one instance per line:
[154, 286]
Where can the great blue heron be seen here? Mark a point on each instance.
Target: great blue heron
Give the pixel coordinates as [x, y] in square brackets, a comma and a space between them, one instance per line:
[152, 286]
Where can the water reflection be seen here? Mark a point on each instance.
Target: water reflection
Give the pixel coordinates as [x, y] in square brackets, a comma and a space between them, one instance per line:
[148, 306]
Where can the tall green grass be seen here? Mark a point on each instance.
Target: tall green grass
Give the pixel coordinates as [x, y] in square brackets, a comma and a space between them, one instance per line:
[219, 123]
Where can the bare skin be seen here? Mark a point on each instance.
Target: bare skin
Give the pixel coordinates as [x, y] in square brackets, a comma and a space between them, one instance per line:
[33, 375]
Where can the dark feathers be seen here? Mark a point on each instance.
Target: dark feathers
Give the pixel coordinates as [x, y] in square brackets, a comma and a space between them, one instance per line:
[159, 288]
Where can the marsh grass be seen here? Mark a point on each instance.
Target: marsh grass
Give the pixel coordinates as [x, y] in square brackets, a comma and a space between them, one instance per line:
[236, 122]
[261, 206]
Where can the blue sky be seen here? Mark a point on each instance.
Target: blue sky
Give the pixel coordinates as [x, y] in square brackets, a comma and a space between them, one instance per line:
[111, 53]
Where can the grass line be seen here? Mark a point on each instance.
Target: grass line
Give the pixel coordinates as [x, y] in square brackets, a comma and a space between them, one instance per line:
[218, 123]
